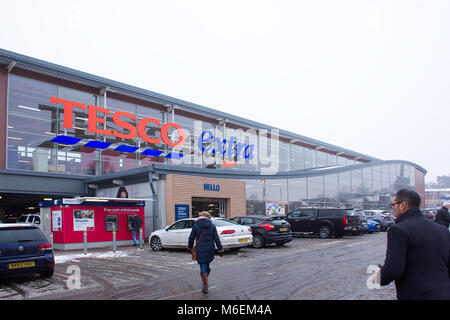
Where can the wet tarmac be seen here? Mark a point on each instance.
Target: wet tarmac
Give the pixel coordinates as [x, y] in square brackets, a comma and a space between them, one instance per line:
[308, 268]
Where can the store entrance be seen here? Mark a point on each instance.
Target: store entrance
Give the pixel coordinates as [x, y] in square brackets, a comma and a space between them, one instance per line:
[215, 206]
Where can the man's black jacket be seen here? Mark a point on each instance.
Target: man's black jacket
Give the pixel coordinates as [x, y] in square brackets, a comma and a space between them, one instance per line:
[443, 217]
[418, 258]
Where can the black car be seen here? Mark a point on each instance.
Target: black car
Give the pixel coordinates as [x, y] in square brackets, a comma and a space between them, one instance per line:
[267, 229]
[323, 221]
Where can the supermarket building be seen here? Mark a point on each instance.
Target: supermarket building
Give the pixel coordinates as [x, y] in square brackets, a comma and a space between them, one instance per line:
[67, 133]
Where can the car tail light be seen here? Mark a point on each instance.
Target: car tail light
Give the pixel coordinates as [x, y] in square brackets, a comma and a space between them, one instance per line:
[386, 217]
[45, 247]
[1, 251]
[250, 229]
[267, 226]
[345, 220]
[228, 232]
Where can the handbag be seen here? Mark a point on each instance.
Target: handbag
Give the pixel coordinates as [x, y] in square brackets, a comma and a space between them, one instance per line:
[194, 250]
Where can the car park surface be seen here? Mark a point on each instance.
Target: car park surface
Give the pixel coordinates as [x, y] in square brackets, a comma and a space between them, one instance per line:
[267, 229]
[339, 268]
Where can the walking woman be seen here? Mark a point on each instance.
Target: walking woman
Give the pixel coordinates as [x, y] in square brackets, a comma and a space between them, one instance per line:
[204, 232]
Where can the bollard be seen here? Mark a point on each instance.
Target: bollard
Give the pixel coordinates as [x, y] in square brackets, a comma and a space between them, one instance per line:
[85, 241]
[114, 238]
[140, 239]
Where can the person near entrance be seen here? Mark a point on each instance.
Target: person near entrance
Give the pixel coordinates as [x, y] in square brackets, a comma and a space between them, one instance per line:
[136, 224]
[418, 252]
[205, 233]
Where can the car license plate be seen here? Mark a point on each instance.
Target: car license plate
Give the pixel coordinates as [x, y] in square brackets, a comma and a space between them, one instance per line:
[355, 229]
[243, 240]
[19, 265]
[283, 229]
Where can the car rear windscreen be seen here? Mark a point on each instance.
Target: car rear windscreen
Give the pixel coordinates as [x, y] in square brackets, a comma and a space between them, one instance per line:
[20, 234]
[224, 223]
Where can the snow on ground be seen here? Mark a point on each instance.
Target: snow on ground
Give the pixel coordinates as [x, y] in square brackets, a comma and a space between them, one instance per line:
[101, 255]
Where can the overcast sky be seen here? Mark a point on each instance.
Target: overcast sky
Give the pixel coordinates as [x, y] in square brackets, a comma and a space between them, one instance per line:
[370, 76]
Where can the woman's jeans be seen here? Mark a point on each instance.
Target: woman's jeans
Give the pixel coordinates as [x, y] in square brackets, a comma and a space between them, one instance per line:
[204, 268]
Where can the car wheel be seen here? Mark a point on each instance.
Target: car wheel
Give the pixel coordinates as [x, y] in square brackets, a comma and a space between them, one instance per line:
[324, 232]
[47, 274]
[258, 241]
[155, 244]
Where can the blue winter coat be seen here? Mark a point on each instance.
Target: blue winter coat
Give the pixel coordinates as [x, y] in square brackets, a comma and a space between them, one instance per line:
[205, 248]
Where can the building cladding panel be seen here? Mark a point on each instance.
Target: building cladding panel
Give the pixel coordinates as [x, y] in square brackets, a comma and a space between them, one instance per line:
[181, 189]
[34, 122]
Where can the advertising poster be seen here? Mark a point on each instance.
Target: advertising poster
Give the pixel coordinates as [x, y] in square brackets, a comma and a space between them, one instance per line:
[274, 207]
[83, 220]
[181, 211]
[57, 220]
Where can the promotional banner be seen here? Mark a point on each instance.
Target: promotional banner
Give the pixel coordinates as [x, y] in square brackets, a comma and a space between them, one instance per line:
[275, 207]
[57, 220]
[83, 220]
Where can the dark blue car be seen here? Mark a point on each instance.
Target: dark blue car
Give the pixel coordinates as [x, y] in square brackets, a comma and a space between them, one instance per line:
[24, 249]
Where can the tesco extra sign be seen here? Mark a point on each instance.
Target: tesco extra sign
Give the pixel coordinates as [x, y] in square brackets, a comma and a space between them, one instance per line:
[118, 120]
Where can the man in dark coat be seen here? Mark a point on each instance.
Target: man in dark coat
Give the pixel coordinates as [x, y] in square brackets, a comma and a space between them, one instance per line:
[205, 249]
[418, 252]
[442, 215]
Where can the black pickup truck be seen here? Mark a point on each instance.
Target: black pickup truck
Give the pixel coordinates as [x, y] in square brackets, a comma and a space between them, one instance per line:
[323, 221]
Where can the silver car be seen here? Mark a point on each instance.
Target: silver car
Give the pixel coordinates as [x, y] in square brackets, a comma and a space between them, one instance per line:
[383, 217]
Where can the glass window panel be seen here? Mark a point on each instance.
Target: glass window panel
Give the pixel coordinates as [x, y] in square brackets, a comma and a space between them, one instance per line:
[331, 159]
[315, 188]
[297, 157]
[321, 159]
[331, 188]
[284, 156]
[298, 190]
[31, 88]
[367, 180]
[310, 158]
[275, 189]
[357, 181]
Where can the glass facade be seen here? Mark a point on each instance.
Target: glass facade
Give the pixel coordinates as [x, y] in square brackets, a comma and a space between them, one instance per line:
[33, 122]
[360, 188]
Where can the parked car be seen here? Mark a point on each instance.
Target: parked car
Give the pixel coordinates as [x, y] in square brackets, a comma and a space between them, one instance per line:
[233, 236]
[267, 229]
[29, 218]
[323, 221]
[363, 228]
[383, 217]
[24, 249]
[372, 226]
[430, 213]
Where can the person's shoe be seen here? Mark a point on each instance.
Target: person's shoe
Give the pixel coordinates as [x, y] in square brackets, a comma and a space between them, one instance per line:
[205, 283]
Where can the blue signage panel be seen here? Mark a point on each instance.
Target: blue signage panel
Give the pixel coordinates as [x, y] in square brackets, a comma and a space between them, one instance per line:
[211, 187]
[181, 211]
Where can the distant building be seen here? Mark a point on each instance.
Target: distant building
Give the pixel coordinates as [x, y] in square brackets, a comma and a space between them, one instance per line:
[434, 197]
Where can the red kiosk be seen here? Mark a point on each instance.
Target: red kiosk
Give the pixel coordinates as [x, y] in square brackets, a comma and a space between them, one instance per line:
[67, 219]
